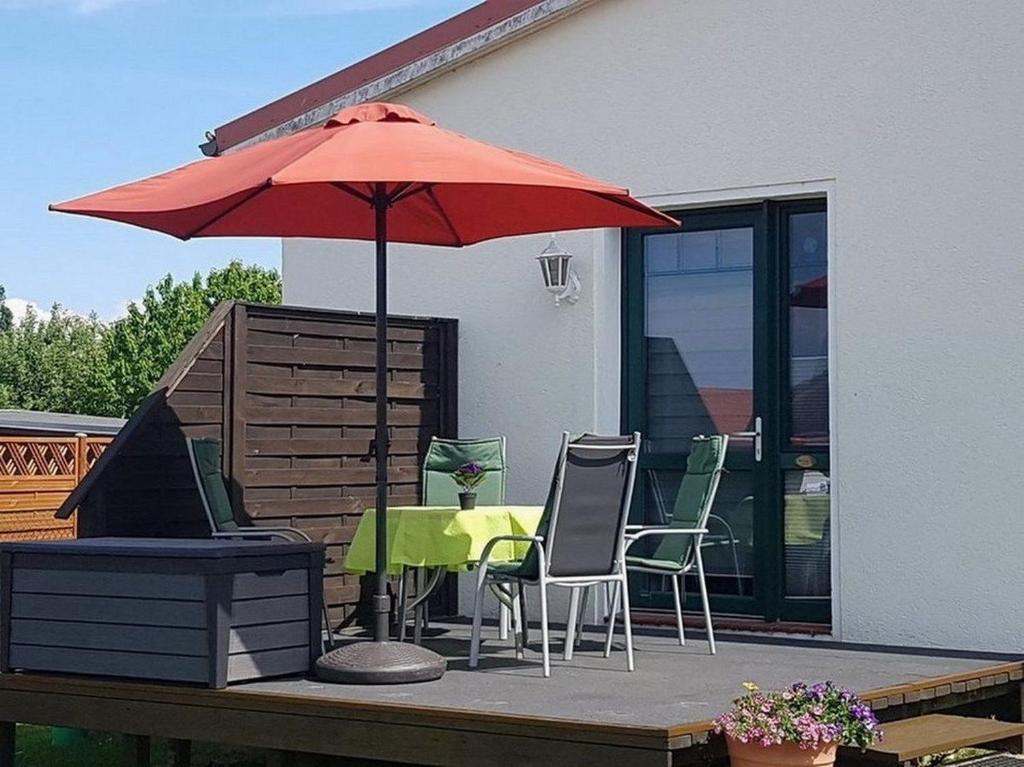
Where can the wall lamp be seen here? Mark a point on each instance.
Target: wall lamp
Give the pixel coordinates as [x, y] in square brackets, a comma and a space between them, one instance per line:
[560, 279]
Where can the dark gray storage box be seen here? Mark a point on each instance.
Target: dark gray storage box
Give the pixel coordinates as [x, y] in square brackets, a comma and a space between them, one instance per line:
[182, 610]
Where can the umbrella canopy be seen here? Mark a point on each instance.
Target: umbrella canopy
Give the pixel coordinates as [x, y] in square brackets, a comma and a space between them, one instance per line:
[378, 172]
[443, 188]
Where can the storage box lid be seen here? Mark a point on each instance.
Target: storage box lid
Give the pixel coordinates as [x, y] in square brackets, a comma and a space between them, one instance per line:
[193, 548]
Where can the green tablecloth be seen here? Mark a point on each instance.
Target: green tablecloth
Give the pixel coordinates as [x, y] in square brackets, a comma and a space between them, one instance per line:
[806, 518]
[431, 536]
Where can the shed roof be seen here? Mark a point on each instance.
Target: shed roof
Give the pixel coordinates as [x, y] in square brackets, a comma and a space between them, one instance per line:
[472, 33]
[32, 421]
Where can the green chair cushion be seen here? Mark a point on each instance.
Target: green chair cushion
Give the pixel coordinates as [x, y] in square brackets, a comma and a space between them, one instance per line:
[667, 565]
[705, 460]
[524, 569]
[208, 461]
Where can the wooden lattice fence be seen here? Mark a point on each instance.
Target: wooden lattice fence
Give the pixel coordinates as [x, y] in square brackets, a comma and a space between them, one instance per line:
[36, 475]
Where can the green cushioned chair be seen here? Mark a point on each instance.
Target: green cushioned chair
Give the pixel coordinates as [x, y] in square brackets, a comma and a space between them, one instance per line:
[205, 457]
[677, 548]
[439, 489]
[446, 455]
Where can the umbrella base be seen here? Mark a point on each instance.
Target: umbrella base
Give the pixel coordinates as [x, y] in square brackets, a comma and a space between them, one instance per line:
[380, 663]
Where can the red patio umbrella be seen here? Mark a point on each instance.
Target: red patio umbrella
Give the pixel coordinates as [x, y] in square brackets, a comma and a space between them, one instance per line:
[378, 172]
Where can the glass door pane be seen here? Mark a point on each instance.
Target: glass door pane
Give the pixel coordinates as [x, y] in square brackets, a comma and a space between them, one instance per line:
[699, 362]
[806, 485]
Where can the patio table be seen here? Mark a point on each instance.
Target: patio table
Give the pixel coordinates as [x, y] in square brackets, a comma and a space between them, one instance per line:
[442, 537]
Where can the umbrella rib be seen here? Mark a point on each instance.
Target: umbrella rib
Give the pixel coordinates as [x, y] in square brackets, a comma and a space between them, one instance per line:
[230, 209]
[352, 191]
[408, 191]
[448, 222]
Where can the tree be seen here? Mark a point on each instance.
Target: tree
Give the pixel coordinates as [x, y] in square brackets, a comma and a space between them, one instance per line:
[57, 364]
[6, 315]
[143, 344]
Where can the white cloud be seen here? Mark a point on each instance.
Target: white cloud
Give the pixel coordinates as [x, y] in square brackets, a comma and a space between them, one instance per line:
[19, 308]
[120, 310]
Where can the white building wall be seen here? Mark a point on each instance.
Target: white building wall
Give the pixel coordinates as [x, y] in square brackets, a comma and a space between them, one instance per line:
[911, 114]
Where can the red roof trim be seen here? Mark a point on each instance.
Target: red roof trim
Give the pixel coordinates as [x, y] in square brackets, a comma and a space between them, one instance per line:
[448, 32]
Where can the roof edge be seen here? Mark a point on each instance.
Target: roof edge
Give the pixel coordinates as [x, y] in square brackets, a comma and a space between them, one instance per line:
[397, 69]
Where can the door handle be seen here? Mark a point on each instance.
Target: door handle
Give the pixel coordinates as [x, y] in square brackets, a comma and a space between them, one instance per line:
[756, 434]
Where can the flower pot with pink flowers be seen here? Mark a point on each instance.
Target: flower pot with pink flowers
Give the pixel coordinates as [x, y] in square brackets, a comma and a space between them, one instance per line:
[802, 725]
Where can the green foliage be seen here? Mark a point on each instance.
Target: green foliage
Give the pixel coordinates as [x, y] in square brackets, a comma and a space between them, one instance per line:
[142, 345]
[74, 364]
[6, 315]
[56, 364]
[41, 747]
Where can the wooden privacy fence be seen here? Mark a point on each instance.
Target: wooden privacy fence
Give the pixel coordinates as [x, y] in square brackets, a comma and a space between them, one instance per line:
[290, 393]
[36, 476]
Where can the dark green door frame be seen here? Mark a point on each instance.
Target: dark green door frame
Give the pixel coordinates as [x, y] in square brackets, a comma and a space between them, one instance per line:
[771, 375]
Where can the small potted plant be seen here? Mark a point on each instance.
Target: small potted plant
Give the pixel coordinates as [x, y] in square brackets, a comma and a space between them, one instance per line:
[467, 477]
[800, 725]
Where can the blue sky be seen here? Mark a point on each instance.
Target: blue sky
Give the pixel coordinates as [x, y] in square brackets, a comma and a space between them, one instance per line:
[99, 92]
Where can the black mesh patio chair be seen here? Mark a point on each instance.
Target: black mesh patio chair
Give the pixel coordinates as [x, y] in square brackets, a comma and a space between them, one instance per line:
[205, 457]
[579, 541]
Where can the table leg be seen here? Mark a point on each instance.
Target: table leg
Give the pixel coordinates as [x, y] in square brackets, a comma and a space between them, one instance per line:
[403, 607]
[420, 609]
[582, 615]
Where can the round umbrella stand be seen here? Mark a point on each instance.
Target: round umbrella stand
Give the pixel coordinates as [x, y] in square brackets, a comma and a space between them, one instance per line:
[380, 663]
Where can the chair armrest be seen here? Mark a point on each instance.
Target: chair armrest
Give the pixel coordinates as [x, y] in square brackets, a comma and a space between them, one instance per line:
[283, 533]
[647, 532]
[635, 528]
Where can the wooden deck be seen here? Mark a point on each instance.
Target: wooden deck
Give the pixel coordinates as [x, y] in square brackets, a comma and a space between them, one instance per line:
[590, 712]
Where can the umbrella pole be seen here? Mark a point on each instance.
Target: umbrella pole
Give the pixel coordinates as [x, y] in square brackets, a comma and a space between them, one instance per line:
[380, 594]
[381, 661]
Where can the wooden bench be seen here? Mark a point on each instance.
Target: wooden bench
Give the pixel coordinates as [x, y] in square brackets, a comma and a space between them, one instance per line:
[908, 740]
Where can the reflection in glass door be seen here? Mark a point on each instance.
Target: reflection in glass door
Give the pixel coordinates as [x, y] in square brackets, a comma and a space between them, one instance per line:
[709, 312]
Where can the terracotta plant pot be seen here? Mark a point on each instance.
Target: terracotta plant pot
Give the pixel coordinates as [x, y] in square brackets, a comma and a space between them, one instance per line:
[467, 501]
[786, 755]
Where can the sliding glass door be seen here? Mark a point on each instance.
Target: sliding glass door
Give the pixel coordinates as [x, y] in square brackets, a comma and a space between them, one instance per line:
[725, 331]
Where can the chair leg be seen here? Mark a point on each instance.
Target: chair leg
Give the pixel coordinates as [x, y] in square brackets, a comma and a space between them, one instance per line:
[679, 609]
[612, 614]
[704, 599]
[503, 616]
[627, 623]
[544, 648]
[506, 610]
[570, 623]
[478, 616]
[517, 620]
[584, 598]
[524, 614]
[403, 599]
